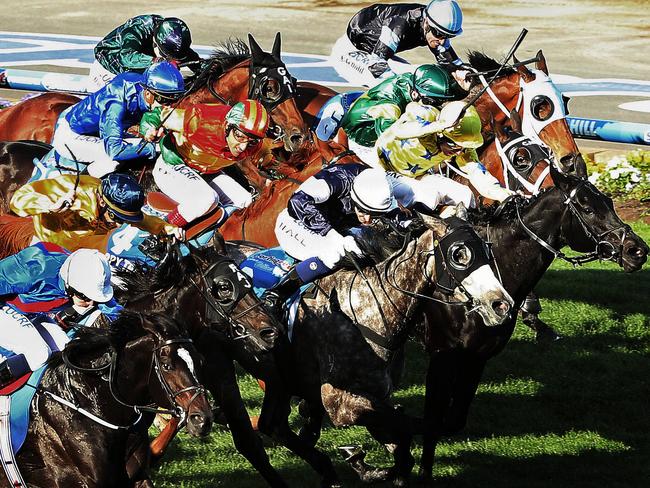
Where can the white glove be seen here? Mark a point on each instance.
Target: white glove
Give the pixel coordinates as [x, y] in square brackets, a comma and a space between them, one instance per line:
[178, 233]
[63, 203]
[350, 245]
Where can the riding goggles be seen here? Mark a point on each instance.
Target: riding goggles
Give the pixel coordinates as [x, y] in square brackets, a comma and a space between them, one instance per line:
[437, 33]
[241, 137]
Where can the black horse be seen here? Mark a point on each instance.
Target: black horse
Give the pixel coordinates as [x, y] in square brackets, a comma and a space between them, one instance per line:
[226, 321]
[526, 235]
[114, 375]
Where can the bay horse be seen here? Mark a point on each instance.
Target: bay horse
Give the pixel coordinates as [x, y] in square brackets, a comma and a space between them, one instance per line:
[114, 374]
[227, 323]
[345, 338]
[232, 74]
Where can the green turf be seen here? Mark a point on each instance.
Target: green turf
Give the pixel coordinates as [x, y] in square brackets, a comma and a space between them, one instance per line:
[570, 414]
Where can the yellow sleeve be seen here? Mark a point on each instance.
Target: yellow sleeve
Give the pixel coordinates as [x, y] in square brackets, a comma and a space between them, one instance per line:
[154, 225]
[467, 156]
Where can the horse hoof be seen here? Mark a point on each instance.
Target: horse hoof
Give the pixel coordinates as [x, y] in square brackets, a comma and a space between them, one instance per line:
[352, 453]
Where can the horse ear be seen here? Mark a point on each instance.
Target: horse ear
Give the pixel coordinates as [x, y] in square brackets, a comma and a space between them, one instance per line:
[515, 121]
[540, 64]
[276, 46]
[561, 180]
[523, 71]
[149, 324]
[434, 223]
[219, 244]
[256, 50]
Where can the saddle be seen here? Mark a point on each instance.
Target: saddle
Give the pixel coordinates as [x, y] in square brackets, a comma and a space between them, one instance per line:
[162, 204]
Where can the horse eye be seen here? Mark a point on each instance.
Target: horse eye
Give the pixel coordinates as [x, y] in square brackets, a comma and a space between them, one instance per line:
[271, 89]
[223, 290]
[461, 256]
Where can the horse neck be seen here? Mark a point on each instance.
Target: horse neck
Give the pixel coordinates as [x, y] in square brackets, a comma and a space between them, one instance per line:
[507, 91]
[232, 85]
[411, 270]
[521, 261]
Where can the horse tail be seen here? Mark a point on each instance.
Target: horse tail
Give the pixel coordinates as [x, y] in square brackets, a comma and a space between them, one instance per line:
[15, 234]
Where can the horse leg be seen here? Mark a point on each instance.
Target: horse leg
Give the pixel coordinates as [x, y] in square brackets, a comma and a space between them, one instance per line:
[312, 412]
[274, 422]
[220, 378]
[438, 393]
[530, 311]
[387, 424]
[471, 368]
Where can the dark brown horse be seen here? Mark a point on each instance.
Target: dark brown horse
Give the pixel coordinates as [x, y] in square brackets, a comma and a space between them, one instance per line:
[114, 374]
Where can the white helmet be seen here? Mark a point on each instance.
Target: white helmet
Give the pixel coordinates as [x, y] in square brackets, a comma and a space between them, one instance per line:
[445, 16]
[87, 271]
[372, 192]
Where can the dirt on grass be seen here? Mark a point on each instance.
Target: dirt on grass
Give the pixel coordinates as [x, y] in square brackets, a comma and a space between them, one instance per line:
[633, 210]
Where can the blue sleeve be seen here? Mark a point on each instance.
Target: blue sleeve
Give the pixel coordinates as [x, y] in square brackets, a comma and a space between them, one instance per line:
[19, 273]
[303, 207]
[111, 309]
[111, 132]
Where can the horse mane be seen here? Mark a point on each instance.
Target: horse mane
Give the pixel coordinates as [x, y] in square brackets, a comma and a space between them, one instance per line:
[482, 62]
[488, 214]
[226, 55]
[15, 234]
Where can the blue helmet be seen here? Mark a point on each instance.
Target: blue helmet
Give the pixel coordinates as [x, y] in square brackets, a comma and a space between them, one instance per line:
[445, 16]
[123, 196]
[172, 37]
[163, 78]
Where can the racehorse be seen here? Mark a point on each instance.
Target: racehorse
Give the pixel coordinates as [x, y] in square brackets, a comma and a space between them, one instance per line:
[344, 339]
[527, 236]
[114, 375]
[226, 322]
[232, 74]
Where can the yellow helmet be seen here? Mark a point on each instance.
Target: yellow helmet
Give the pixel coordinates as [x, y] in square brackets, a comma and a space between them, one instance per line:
[466, 132]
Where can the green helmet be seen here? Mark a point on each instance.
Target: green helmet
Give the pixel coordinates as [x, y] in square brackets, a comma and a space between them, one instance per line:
[431, 81]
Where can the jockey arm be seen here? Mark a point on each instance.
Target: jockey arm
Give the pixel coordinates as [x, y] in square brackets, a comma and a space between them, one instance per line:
[389, 39]
[384, 116]
[446, 56]
[480, 178]
[111, 132]
[20, 272]
[304, 205]
[130, 53]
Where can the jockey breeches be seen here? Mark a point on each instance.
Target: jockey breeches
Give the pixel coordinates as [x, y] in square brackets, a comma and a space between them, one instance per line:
[352, 64]
[197, 194]
[98, 77]
[301, 243]
[84, 148]
[18, 334]
[441, 190]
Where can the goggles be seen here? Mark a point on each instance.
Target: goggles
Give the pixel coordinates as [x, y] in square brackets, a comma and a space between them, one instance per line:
[437, 33]
[241, 137]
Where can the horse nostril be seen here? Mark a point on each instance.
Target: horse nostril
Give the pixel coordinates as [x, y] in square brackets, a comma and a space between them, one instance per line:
[296, 139]
[198, 420]
[501, 308]
[268, 334]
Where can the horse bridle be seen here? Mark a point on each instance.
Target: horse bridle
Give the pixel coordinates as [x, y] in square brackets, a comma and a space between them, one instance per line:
[603, 250]
[226, 271]
[537, 154]
[111, 366]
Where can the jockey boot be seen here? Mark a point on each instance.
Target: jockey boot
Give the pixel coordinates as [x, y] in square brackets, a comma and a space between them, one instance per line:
[13, 368]
[275, 297]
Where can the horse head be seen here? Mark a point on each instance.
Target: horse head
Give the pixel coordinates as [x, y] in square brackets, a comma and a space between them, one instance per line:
[523, 163]
[150, 361]
[275, 88]
[533, 95]
[593, 225]
[461, 265]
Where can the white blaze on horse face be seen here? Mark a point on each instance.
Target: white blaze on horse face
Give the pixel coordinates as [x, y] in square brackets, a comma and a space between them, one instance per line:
[486, 290]
[185, 355]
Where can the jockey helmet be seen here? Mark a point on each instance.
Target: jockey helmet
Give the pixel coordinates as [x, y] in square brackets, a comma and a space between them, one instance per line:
[372, 193]
[164, 79]
[431, 81]
[250, 117]
[123, 196]
[172, 37]
[444, 17]
[465, 132]
[86, 272]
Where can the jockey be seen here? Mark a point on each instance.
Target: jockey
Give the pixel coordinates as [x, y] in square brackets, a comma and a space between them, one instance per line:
[378, 108]
[45, 281]
[424, 138]
[203, 140]
[318, 225]
[94, 131]
[79, 211]
[137, 44]
[365, 54]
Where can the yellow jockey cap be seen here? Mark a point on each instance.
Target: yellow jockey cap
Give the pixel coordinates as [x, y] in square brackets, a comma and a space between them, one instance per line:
[465, 132]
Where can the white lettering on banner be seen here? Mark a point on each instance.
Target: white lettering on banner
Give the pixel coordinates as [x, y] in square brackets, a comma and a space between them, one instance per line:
[16, 315]
[239, 274]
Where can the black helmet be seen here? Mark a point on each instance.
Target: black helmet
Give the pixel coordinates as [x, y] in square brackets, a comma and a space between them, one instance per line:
[172, 37]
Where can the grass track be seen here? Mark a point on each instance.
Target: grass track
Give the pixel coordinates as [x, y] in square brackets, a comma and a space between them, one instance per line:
[571, 414]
